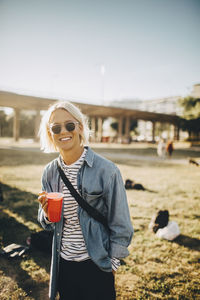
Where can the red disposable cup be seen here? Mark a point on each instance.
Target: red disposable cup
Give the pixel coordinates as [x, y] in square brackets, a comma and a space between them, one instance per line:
[54, 206]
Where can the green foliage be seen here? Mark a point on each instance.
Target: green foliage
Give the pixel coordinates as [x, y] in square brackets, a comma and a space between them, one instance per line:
[191, 115]
[192, 125]
[27, 123]
[6, 124]
[133, 125]
[191, 107]
[114, 125]
[161, 287]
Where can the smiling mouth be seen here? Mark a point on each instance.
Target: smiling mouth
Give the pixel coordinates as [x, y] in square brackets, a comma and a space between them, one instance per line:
[65, 139]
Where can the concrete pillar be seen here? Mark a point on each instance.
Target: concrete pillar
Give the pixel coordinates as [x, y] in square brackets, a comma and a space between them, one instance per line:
[16, 124]
[176, 132]
[93, 128]
[120, 124]
[153, 131]
[100, 129]
[37, 125]
[127, 129]
[171, 135]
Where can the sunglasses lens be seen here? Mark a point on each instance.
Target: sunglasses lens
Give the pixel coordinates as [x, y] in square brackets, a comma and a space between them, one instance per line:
[56, 129]
[70, 126]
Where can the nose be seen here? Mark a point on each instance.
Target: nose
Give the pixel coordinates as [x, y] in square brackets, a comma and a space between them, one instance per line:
[63, 128]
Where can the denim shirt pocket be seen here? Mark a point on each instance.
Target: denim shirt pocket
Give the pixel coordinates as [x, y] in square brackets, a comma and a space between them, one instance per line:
[97, 201]
[92, 196]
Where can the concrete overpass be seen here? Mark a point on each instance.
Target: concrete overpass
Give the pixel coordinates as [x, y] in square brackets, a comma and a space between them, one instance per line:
[96, 113]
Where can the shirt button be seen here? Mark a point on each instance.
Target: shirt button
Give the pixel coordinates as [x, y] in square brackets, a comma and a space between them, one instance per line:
[58, 234]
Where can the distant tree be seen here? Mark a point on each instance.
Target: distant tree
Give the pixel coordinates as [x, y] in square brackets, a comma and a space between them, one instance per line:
[6, 124]
[2, 122]
[190, 121]
[27, 123]
[133, 125]
[191, 107]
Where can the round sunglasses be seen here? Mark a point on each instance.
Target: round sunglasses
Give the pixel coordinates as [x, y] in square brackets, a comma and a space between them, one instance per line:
[56, 128]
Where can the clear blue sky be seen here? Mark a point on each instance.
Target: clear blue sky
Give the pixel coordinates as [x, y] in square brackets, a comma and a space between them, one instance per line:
[149, 48]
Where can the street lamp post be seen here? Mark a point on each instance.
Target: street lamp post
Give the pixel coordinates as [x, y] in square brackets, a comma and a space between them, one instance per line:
[103, 84]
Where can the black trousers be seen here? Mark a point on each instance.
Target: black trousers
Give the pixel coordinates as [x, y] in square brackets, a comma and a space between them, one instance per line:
[84, 281]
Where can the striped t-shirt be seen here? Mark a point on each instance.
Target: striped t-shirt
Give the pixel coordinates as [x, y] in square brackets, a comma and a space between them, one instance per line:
[73, 245]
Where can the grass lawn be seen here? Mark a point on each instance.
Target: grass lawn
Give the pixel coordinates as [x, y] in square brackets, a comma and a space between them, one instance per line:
[155, 269]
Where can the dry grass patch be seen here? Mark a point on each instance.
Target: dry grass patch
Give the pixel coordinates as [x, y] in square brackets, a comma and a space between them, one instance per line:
[155, 269]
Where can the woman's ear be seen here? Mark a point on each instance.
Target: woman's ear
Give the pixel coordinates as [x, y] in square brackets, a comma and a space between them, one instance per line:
[51, 139]
[80, 128]
[50, 136]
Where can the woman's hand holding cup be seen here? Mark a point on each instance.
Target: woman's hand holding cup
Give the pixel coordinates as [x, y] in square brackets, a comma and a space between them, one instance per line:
[52, 205]
[43, 201]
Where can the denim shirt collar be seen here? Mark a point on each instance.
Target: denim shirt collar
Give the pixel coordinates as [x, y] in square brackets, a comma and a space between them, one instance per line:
[89, 157]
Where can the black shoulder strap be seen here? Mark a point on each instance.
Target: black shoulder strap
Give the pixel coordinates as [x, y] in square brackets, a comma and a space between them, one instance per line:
[93, 212]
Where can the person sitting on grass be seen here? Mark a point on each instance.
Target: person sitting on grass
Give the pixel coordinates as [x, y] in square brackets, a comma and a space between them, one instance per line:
[162, 227]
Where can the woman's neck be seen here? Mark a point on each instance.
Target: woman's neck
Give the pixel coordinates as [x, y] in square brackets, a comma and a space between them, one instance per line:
[69, 157]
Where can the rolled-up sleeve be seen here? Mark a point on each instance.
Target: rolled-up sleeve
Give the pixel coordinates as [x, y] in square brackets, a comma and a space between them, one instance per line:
[119, 221]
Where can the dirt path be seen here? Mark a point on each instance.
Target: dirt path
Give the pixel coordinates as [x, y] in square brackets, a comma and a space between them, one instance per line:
[126, 156]
[116, 152]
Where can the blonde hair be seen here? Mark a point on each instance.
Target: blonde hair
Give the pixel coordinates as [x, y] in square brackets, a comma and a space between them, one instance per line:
[46, 142]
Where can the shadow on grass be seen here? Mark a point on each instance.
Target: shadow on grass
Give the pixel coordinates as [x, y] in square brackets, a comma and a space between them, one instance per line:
[16, 157]
[20, 202]
[32, 288]
[188, 242]
[13, 230]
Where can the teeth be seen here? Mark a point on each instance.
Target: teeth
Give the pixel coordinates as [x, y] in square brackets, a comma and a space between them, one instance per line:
[65, 139]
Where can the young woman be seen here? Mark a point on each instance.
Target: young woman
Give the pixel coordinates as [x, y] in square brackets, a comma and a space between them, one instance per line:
[85, 254]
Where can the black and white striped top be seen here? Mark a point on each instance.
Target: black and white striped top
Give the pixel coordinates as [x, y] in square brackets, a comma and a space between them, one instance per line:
[73, 245]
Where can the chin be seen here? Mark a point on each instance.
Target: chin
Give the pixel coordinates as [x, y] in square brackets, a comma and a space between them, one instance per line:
[64, 146]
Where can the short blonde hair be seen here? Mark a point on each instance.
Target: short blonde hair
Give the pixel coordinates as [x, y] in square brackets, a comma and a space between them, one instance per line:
[46, 142]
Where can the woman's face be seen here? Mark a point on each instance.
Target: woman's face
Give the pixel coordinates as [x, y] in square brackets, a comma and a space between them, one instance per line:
[65, 140]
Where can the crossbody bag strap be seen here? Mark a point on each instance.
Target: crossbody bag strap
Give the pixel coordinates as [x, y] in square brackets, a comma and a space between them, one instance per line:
[93, 212]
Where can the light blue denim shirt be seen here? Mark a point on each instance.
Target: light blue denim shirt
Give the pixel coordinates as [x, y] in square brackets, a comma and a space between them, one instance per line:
[101, 185]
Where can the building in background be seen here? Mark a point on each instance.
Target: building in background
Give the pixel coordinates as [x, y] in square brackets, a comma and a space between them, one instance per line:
[167, 105]
[196, 91]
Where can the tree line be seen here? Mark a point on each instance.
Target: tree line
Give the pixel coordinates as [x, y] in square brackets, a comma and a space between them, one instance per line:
[27, 125]
[190, 120]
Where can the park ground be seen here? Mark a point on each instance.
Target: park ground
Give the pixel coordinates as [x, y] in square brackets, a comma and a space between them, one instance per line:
[155, 269]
